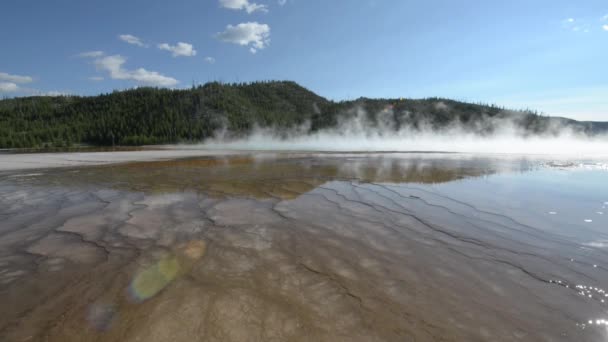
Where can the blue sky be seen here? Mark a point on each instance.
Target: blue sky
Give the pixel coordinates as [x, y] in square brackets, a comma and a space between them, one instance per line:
[549, 55]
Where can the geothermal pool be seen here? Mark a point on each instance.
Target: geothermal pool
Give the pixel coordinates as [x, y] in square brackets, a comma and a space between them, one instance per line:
[306, 247]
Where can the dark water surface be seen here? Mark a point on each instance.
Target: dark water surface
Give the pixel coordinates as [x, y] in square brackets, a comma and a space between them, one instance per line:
[307, 247]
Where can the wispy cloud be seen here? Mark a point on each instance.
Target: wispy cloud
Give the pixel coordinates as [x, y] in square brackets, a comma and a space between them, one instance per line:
[114, 66]
[96, 78]
[90, 54]
[181, 49]
[15, 78]
[574, 25]
[131, 39]
[249, 7]
[605, 27]
[282, 2]
[252, 34]
[570, 24]
[210, 60]
[580, 29]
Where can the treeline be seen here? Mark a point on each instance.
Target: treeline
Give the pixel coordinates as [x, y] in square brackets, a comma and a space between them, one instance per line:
[145, 116]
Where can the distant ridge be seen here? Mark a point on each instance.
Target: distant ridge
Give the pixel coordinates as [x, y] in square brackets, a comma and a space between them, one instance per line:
[156, 116]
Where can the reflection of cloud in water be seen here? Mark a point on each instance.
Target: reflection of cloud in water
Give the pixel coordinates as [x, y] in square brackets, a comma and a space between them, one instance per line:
[578, 166]
[598, 244]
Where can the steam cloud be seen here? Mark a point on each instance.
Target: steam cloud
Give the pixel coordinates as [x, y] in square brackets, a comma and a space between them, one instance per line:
[357, 133]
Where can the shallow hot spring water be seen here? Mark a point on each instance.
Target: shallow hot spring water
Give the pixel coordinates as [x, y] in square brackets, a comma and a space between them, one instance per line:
[307, 247]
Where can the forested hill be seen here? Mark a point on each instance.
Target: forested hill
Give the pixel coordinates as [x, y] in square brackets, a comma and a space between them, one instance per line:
[156, 116]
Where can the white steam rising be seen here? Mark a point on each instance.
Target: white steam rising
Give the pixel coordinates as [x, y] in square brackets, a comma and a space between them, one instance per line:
[358, 133]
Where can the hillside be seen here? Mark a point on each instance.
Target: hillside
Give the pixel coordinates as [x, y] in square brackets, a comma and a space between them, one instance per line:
[156, 116]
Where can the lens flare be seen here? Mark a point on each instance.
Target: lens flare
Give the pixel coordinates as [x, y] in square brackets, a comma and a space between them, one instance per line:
[154, 279]
[150, 281]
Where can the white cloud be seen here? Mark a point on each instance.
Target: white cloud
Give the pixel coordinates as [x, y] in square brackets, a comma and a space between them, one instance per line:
[243, 5]
[7, 87]
[14, 78]
[10, 83]
[252, 34]
[181, 49]
[114, 66]
[605, 27]
[210, 60]
[282, 2]
[574, 25]
[569, 24]
[91, 54]
[131, 40]
[605, 17]
[96, 78]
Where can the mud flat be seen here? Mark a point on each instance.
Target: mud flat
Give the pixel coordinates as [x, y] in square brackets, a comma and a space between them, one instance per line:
[306, 247]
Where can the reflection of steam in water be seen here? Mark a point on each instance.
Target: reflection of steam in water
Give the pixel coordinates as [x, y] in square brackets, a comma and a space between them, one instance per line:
[357, 133]
[280, 175]
[581, 166]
